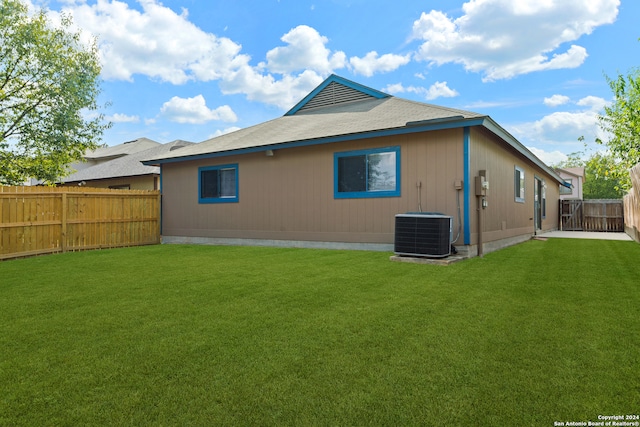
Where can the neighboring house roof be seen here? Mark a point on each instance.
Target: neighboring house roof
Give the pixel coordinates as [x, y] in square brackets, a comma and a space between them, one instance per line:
[126, 148]
[341, 110]
[127, 165]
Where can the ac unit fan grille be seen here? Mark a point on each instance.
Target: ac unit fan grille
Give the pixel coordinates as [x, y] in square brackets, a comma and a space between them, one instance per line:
[423, 235]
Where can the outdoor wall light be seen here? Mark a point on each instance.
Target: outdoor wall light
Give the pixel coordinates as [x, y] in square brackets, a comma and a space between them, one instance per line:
[268, 153]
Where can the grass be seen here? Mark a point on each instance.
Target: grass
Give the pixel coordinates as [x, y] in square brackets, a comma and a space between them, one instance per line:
[197, 335]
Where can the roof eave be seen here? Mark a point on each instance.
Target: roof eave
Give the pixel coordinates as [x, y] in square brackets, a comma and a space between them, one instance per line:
[410, 127]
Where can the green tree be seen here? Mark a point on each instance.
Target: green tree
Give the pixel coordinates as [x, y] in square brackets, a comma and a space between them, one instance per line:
[621, 120]
[49, 84]
[599, 181]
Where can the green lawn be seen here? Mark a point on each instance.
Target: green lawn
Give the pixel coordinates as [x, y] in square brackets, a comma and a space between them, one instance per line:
[541, 332]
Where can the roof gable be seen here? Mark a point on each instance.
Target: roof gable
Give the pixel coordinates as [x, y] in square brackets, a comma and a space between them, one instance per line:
[333, 91]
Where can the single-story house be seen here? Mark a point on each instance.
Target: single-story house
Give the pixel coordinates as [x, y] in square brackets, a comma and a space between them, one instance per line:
[574, 179]
[119, 166]
[336, 169]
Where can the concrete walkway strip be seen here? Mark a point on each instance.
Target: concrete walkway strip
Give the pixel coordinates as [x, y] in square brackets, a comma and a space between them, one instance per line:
[586, 235]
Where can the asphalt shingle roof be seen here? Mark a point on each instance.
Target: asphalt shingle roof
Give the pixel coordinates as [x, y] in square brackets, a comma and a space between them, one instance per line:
[337, 120]
[127, 165]
[120, 150]
[339, 109]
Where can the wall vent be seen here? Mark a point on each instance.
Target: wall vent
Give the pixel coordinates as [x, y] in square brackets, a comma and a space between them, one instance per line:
[335, 93]
[423, 235]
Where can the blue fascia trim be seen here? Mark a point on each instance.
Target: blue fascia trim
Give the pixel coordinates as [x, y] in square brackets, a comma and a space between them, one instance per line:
[467, 185]
[333, 78]
[366, 194]
[328, 140]
[203, 200]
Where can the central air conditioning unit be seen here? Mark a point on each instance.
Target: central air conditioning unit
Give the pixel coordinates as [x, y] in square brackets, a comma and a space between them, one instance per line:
[423, 234]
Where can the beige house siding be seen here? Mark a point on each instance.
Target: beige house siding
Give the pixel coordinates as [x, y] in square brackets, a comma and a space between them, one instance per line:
[576, 176]
[285, 176]
[504, 217]
[289, 196]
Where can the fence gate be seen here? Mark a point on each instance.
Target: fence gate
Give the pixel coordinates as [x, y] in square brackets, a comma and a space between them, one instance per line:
[592, 215]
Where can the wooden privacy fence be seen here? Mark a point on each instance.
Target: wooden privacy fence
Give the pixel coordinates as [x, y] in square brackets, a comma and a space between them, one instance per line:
[632, 205]
[592, 215]
[41, 220]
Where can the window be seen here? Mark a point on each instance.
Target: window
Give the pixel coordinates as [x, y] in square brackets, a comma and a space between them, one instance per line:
[519, 185]
[543, 194]
[565, 190]
[218, 184]
[367, 173]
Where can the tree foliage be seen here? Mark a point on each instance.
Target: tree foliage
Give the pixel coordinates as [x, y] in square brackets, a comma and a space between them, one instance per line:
[49, 84]
[621, 120]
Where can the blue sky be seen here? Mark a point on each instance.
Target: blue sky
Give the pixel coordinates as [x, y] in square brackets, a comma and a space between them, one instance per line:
[194, 69]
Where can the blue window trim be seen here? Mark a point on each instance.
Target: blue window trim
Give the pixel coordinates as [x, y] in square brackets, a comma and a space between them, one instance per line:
[201, 199]
[365, 194]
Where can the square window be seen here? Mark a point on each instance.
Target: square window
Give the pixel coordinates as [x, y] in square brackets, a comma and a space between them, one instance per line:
[367, 173]
[566, 190]
[218, 184]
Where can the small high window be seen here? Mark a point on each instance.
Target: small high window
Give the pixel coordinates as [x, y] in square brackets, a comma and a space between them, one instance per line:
[519, 185]
[218, 184]
[565, 190]
[367, 173]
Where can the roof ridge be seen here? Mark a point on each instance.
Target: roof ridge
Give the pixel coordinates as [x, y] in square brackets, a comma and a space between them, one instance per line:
[442, 107]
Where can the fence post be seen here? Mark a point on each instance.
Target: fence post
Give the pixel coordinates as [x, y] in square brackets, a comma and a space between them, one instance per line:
[63, 233]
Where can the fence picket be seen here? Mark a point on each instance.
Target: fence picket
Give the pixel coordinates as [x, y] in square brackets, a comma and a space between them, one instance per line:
[39, 220]
[592, 215]
[632, 205]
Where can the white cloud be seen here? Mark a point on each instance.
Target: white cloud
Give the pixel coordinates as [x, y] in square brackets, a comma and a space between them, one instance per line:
[562, 127]
[396, 88]
[122, 118]
[440, 89]
[195, 111]
[224, 131]
[164, 45]
[558, 132]
[436, 90]
[505, 38]
[305, 50]
[595, 103]
[372, 63]
[283, 93]
[548, 157]
[156, 42]
[556, 100]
